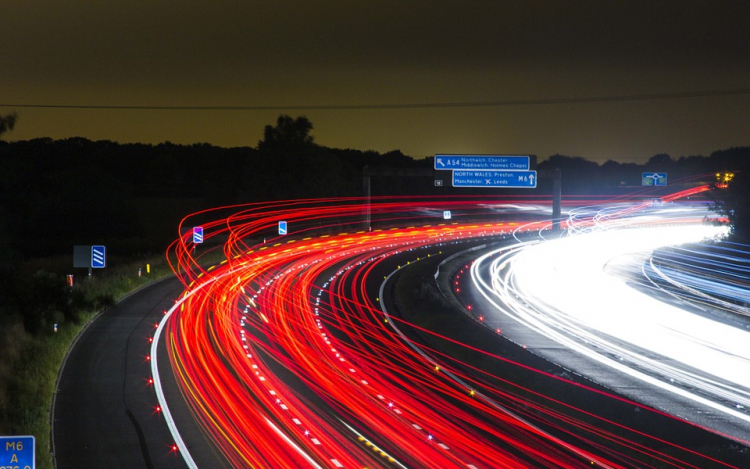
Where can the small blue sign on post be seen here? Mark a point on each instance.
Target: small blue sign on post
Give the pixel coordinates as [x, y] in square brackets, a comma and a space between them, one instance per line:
[653, 179]
[18, 451]
[282, 228]
[510, 179]
[482, 162]
[98, 257]
[197, 234]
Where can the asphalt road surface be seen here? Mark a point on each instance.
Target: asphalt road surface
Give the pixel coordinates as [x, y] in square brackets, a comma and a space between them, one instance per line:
[104, 413]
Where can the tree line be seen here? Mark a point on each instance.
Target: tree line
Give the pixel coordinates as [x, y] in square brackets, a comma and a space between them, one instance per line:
[57, 193]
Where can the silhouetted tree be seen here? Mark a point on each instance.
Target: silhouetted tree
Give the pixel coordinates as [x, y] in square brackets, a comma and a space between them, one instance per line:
[8, 122]
[733, 201]
[289, 165]
[610, 173]
[288, 135]
[662, 162]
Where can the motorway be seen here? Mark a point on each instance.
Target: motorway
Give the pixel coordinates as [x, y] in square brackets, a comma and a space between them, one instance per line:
[293, 352]
[385, 405]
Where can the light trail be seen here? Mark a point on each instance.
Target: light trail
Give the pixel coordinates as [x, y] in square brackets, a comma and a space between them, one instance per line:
[715, 276]
[578, 292]
[285, 358]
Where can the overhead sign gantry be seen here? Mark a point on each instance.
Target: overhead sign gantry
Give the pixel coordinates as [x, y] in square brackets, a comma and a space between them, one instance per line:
[505, 171]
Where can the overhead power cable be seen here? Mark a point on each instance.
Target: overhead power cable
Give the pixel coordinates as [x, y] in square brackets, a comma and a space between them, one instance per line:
[465, 104]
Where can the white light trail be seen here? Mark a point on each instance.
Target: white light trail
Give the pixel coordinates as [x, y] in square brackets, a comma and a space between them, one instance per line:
[566, 289]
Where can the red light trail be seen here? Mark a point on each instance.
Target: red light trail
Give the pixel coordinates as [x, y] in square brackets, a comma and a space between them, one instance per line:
[285, 356]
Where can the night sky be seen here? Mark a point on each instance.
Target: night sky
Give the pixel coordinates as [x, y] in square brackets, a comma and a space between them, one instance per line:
[369, 53]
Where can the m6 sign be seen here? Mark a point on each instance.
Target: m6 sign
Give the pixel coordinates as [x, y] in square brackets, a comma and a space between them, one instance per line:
[17, 452]
[522, 179]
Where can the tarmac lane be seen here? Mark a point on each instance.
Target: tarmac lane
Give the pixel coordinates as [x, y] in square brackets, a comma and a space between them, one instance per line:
[105, 411]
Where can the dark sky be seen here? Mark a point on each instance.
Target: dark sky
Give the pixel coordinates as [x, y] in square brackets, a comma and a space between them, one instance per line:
[300, 53]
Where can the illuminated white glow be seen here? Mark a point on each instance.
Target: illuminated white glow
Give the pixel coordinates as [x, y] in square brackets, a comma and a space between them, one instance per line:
[565, 289]
[580, 291]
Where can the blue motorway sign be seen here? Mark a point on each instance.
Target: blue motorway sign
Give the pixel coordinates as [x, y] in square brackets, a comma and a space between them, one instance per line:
[653, 179]
[17, 452]
[282, 228]
[98, 257]
[522, 179]
[482, 162]
[197, 234]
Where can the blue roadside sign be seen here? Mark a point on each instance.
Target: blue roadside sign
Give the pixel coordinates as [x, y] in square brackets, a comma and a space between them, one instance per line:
[18, 452]
[197, 234]
[482, 162]
[282, 228]
[508, 179]
[653, 179]
[98, 257]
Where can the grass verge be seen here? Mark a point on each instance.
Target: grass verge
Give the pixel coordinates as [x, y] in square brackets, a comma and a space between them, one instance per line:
[30, 363]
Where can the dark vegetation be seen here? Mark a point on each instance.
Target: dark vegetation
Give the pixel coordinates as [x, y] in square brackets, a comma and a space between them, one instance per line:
[733, 200]
[58, 193]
